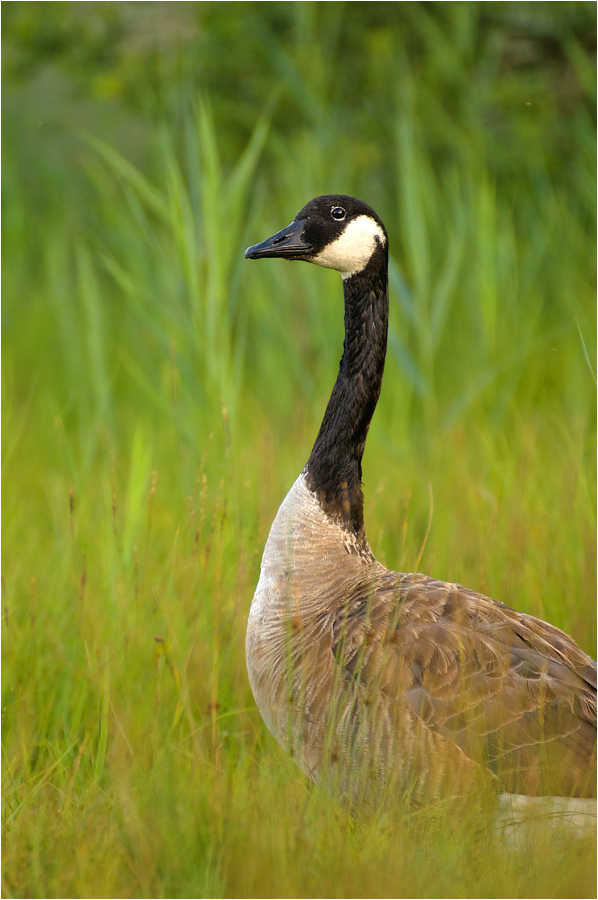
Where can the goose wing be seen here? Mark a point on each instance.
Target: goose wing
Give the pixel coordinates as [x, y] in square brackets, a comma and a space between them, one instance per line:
[471, 681]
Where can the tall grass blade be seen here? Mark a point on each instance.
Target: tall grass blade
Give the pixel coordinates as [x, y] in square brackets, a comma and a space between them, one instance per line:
[103, 720]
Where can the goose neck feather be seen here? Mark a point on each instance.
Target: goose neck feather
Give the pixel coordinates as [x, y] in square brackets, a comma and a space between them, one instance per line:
[333, 470]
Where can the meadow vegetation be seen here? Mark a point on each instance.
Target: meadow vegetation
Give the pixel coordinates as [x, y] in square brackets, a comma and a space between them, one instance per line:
[160, 395]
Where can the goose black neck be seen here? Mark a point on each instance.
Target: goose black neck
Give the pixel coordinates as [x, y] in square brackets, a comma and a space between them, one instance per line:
[333, 470]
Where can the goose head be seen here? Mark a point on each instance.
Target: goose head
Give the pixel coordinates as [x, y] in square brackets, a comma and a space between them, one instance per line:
[334, 231]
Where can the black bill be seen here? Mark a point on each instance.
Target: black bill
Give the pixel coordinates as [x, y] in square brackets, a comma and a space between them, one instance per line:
[287, 243]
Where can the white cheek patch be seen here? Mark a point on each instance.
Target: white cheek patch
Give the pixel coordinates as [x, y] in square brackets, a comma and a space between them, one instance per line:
[351, 252]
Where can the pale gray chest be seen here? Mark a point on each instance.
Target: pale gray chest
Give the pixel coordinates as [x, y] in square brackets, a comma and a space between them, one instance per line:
[310, 564]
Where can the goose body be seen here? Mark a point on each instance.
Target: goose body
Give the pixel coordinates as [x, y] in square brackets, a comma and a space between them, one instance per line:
[380, 683]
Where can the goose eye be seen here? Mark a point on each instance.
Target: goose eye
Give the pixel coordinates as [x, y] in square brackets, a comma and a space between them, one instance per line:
[338, 213]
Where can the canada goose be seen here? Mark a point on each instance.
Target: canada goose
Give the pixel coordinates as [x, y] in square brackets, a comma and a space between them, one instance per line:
[378, 681]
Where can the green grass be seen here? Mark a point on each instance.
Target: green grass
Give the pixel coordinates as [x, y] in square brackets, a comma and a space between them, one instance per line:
[160, 395]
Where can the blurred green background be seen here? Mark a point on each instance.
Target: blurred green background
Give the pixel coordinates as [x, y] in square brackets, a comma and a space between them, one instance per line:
[160, 395]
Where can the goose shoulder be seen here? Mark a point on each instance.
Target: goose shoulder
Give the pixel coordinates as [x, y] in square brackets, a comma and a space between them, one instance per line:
[508, 689]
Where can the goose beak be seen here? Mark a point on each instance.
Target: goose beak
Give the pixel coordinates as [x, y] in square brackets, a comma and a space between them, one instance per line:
[287, 243]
